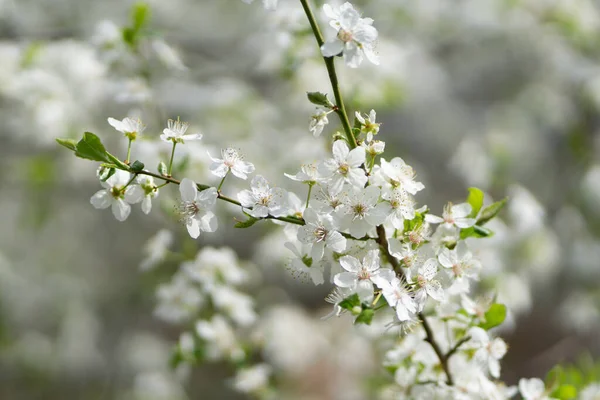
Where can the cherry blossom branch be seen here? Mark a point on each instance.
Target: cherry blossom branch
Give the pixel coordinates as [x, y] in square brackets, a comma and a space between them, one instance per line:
[430, 337]
[339, 108]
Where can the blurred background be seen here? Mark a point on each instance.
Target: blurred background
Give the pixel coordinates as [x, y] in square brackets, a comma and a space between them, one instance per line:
[499, 94]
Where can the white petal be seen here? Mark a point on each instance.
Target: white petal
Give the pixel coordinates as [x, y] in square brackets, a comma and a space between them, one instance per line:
[120, 209]
[147, 205]
[208, 197]
[193, 228]
[332, 48]
[461, 210]
[350, 264]
[371, 260]
[134, 194]
[246, 197]
[356, 157]
[259, 183]
[345, 279]
[101, 199]
[336, 242]
[219, 168]
[209, 222]
[317, 251]
[445, 258]
[188, 190]
[340, 150]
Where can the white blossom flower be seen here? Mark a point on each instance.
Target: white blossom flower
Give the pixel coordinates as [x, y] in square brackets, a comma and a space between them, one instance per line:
[362, 276]
[402, 206]
[268, 4]
[374, 147]
[427, 284]
[238, 306]
[345, 166]
[320, 232]
[460, 261]
[130, 127]
[355, 35]
[399, 174]
[590, 392]
[178, 300]
[156, 249]
[213, 267]
[253, 379]
[489, 352]
[144, 191]
[361, 211]
[318, 121]
[176, 132]
[232, 161]
[368, 125]
[308, 174]
[195, 208]
[404, 252]
[304, 266]
[221, 339]
[532, 389]
[398, 296]
[457, 215]
[263, 200]
[114, 195]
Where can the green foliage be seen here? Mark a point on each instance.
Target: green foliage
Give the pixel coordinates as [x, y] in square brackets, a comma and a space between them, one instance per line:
[491, 211]
[475, 199]
[162, 168]
[568, 380]
[319, 99]
[137, 166]
[494, 316]
[247, 223]
[350, 302]
[106, 172]
[91, 148]
[70, 144]
[475, 231]
[140, 16]
[365, 317]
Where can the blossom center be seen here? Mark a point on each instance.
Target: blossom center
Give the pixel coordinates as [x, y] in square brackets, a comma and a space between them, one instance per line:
[320, 234]
[345, 36]
[363, 274]
[344, 169]
[359, 210]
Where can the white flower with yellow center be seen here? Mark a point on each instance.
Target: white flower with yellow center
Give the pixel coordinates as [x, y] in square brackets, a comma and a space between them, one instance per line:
[263, 200]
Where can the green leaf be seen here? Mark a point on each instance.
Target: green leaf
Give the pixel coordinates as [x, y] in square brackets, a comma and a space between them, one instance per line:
[68, 143]
[162, 168]
[491, 211]
[137, 166]
[105, 173]
[475, 231]
[494, 316]
[350, 302]
[565, 392]
[247, 223]
[365, 317]
[475, 199]
[118, 163]
[140, 15]
[129, 36]
[91, 148]
[319, 99]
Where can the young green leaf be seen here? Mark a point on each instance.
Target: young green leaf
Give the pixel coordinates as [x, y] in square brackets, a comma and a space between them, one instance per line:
[365, 317]
[565, 392]
[475, 231]
[494, 316]
[247, 223]
[491, 211]
[140, 15]
[162, 168]
[319, 99]
[350, 302]
[68, 143]
[475, 199]
[91, 148]
[137, 166]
